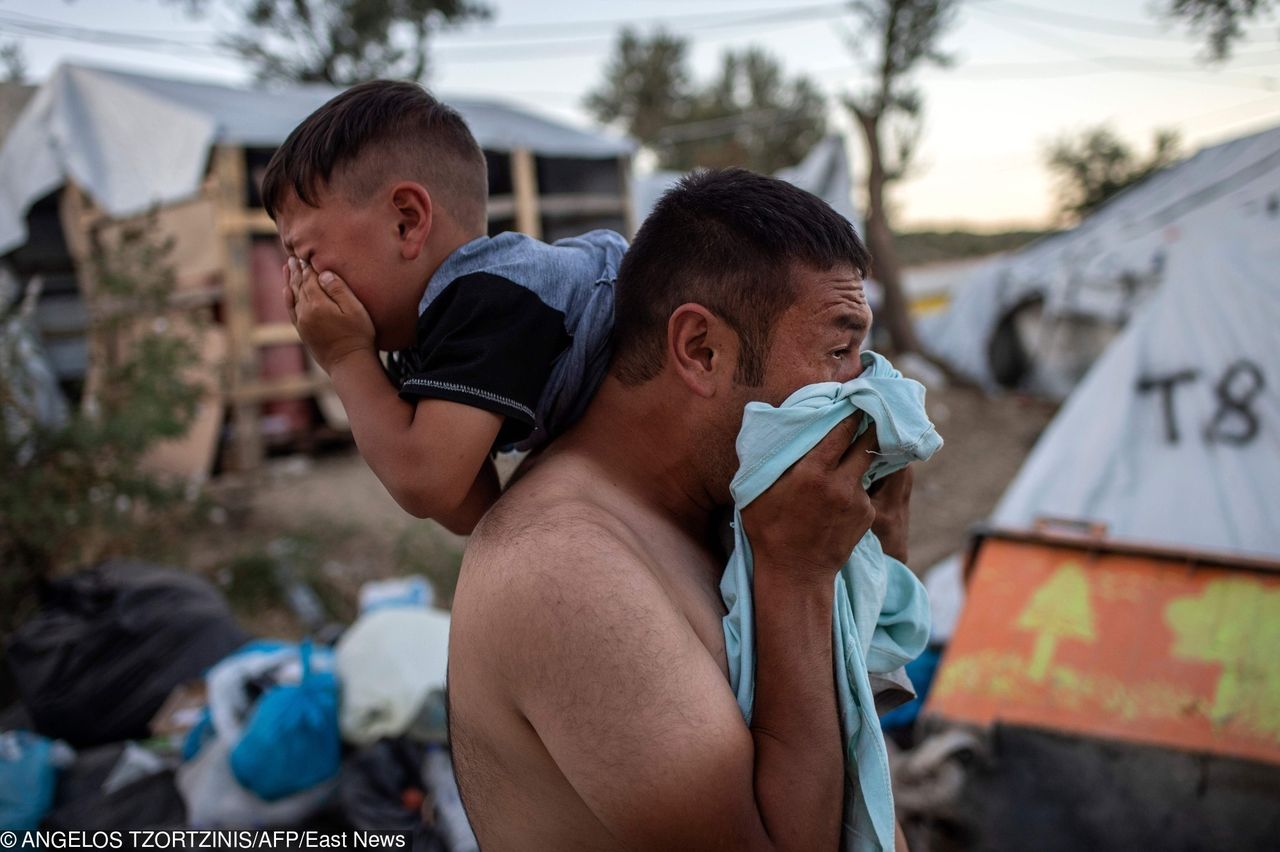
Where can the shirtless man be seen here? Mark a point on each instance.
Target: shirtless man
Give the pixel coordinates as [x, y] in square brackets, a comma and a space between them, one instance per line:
[590, 702]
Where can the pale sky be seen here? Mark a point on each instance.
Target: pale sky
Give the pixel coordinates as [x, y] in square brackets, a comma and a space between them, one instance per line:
[1026, 71]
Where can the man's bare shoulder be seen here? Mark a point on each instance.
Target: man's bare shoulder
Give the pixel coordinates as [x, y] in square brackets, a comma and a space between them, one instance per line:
[552, 542]
[556, 513]
[557, 596]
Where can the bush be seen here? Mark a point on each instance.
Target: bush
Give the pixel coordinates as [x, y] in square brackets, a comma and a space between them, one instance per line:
[76, 491]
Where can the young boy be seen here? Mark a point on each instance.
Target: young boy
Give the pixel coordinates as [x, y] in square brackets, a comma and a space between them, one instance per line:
[380, 199]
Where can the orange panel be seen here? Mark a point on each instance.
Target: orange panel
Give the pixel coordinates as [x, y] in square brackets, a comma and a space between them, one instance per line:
[1134, 646]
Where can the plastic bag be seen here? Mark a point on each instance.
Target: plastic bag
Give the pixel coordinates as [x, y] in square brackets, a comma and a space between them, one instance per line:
[236, 683]
[28, 778]
[291, 741]
[135, 763]
[402, 591]
[389, 662]
[109, 644]
[86, 802]
[381, 786]
[214, 799]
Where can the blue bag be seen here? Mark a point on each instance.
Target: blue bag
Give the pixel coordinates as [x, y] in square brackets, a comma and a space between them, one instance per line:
[28, 779]
[291, 741]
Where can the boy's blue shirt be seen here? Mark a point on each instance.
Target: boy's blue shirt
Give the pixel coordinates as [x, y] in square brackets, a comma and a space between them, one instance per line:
[519, 327]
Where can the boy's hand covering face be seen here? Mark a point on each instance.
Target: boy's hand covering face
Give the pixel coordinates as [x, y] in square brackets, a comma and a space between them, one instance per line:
[329, 318]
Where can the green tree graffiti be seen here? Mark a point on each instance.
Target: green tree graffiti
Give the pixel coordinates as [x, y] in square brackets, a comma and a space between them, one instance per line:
[1059, 609]
[1235, 622]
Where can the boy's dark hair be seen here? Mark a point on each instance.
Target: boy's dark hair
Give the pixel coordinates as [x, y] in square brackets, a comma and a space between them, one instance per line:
[376, 132]
[728, 240]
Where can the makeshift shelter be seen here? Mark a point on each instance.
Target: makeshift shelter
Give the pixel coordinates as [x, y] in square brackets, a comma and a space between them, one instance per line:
[825, 171]
[1037, 318]
[95, 149]
[1116, 651]
[1174, 435]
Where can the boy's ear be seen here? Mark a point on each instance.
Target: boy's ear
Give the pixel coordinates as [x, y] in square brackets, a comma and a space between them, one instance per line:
[414, 212]
[700, 349]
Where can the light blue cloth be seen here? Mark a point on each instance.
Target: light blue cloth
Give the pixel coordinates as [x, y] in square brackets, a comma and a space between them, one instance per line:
[881, 610]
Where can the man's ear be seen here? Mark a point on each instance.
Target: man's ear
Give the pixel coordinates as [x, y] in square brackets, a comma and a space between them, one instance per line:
[414, 214]
[701, 348]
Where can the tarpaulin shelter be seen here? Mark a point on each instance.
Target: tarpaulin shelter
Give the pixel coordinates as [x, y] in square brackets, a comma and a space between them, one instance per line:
[1118, 641]
[825, 171]
[1173, 437]
[95, 148]
[1036, 318]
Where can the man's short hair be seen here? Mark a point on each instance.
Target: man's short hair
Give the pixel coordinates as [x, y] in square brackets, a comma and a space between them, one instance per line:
[728, 240]
[378, 132]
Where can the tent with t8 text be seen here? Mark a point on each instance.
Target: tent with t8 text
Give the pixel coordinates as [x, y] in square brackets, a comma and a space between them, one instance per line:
[1116, 650]
[1036, 319]
[1173, 437]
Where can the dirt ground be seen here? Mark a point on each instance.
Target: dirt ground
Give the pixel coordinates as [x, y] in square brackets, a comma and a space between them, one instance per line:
[346, 530]
[985, 440]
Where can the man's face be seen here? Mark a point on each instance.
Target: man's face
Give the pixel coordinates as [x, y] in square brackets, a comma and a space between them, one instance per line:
[358, 243]
[818, 338]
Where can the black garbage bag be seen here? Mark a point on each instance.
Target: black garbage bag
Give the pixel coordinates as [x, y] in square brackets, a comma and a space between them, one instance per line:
[85, 776]
[381, 789]
[108, 645]
[82, 803]
[152, 802]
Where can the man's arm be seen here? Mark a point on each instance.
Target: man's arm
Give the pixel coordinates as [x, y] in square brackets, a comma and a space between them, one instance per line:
[628, 703]
[637, 714]
[431, 456]
[801, 531]
[795, 724]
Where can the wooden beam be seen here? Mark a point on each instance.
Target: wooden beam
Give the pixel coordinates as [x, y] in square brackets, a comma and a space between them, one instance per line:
[246, 221]
[181, 300]
[287, 387]
[77, 215]
[230, 190]
[502, 207]
[524, 179]
[275, 334]
[596, 204]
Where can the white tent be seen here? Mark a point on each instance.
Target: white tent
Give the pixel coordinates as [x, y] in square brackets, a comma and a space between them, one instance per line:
[1173, 437]
[824, 171]
[1103, 270]
[132, 141]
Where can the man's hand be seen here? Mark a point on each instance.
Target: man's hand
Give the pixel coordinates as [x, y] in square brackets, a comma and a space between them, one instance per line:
[810, 519]
[891, 498]
[802, 531]
[329, 318]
